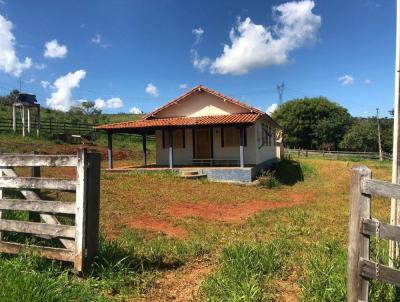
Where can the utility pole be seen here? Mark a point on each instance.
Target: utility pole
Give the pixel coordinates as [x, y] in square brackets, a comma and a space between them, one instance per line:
[395, 204]
[280, 88]
[379, 135]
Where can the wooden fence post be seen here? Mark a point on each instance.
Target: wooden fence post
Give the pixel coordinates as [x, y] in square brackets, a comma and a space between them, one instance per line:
[1, 196]
[81, 197]
[35, 172]
[92, 207]
[360, 207]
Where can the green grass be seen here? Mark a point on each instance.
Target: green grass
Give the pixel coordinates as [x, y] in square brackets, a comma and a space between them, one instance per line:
[244, 271]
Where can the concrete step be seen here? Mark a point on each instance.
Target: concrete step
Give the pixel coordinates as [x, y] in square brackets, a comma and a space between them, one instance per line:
[194, 176]
[188, 173]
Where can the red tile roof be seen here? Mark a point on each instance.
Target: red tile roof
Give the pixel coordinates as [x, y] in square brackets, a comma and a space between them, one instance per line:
[206, 89]
[151, 124]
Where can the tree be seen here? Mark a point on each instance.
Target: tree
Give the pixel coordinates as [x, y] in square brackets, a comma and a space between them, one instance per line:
[312, 123]
[10, 98]
[85, 108]
[363, 135]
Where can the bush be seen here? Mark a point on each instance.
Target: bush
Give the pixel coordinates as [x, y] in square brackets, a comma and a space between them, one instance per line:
[268, 180]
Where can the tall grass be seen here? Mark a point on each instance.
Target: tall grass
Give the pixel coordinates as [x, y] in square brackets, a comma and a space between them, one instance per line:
[123, 269]
[325, 274]
[244, 272]
[27, 278]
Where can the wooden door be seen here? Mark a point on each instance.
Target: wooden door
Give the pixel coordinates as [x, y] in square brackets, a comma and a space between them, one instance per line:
[203, 143]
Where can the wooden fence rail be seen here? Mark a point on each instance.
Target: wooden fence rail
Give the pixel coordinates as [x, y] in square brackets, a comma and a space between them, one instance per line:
[80, 240]
[360, 269]
[336, 154]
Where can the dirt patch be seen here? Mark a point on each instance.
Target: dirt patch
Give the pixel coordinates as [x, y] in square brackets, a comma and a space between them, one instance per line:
[158, 225]
[296, 197]
[287, 290]
[180, 285]
[226, 212]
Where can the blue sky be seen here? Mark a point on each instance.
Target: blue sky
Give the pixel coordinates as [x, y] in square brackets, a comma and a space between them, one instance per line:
[126, 54]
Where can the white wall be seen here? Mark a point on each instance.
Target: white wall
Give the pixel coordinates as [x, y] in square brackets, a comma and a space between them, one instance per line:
[233, 152]
[263, 153]
[201, 104]
[184, 156]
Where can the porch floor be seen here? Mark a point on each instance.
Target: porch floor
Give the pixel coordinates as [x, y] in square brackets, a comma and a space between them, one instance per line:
[176, 168]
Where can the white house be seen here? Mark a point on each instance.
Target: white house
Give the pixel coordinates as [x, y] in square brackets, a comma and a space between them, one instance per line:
[205, 128]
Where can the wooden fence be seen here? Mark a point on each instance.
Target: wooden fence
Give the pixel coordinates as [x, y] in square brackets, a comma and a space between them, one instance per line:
[335, 154]
[51, 126]
[79, 240]
[360, 268]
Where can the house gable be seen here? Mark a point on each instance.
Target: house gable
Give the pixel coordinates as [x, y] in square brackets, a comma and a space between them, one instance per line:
[200, 103]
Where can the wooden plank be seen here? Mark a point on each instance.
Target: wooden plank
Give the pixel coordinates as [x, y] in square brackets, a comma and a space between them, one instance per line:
[38, 228]
[43, 206]
[386, 274]
[1, 196]
[47, 252]
[360, 206]
[34, 172]
[37, 183]
[92, 207]
[21, 160]
[381, 188]
[80, 216]
[386, 231]
[29, 194]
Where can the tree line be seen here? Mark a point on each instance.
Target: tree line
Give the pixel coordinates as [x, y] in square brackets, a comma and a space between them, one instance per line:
[318, 123]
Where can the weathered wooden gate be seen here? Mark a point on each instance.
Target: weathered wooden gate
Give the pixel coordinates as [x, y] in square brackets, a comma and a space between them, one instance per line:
[80, 240]
[360, 268]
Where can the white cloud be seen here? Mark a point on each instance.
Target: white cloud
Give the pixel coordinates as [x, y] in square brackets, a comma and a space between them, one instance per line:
[61, 98]
[112, 103]
[255, 46]
[135, 110]
[200, 63]
[100, 104]
[115, 103]
[346, 80]
[96, 39]
[368, 82]
[152, 90]
[31, 80]
[9, 62]
[198, 32]
[45, 84]
[55, 50]
[272, 108]
[183, 86]
[40, 66]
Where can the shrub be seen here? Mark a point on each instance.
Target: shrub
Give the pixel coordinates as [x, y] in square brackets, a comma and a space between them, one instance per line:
[268, 180]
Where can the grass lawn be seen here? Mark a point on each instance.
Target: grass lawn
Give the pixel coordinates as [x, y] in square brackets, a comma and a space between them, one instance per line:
[169, 239]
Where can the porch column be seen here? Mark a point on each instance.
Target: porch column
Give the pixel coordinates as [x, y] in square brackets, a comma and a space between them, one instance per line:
[170, 149]
[110, 156]
[23, 120]
[14, 119]
[144, 149]
[241, 148]
[38, 121]
[29, 120]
